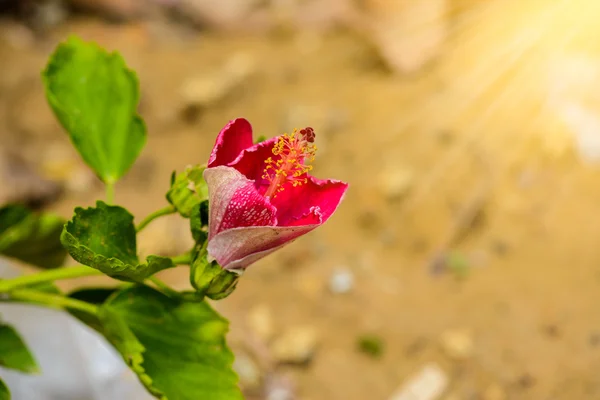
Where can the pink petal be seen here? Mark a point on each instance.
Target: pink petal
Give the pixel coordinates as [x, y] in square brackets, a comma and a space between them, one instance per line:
[233, 138]
[312, 217]
[321, 195]
[251, 161]
[234, 201]
[239, 247]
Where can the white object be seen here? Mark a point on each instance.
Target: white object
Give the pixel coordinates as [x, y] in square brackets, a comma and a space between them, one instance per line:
[429, 384]
[76, 362]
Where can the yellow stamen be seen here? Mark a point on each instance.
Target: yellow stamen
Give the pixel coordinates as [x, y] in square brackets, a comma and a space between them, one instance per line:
[293, 151]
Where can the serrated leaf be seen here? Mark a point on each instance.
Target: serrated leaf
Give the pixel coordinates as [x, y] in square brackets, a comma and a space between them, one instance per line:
[188, 189]
[4, 392]
[31, 237]
[13, 351]
[104, 238]
[95, 96]
[180, 352]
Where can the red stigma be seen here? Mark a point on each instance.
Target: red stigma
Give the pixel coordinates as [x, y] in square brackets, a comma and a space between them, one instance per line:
[308, 134]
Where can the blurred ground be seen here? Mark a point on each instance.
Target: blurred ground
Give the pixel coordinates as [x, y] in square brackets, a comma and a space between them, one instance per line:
[468, 239]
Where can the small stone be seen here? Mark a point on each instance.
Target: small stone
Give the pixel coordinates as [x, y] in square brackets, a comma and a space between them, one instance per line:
[296, 346]
[457, 344]
[429, 384]
[395, 183]
[279, 387]
[81, 180]
[494, 392]
[552, 331]
[49, 13]
[260, 322]
[526, 381]
[341, 281]
[248, 372]
[211, 88]
[408, 34]
[17, 35]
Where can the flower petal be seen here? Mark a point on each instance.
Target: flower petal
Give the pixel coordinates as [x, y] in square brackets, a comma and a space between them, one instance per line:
[317, 195]
[239, 247]
[234, 201]
[233, 138]
[251, 161]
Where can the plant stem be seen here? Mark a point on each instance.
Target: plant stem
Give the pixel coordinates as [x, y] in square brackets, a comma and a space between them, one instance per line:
[159, 213]
[46, 276]
[110, 192]
[182, 259]
[52, 300]
[166, 289]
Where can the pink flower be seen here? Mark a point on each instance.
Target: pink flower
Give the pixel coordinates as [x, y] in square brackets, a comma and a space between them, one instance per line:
[261, 195]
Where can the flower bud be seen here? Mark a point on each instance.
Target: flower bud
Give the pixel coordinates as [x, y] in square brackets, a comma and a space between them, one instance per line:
[210, 279]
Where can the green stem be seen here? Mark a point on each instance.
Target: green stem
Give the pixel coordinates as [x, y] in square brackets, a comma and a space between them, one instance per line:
[52, 300]
[159, 213]
[182, 259]
[47, 276]
[110, 192]
[166, 289]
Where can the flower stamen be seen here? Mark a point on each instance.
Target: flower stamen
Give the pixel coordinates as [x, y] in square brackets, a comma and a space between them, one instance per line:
[293, 150]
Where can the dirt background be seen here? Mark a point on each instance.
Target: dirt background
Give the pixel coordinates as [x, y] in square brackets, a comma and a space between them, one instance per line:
[468, 241]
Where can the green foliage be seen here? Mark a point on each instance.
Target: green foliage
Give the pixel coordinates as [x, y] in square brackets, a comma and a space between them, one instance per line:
[4, 392]
[30, 237]
[177, 348]
[104, 238]
[175, 343]
[13, 351]
[188, 189]
[94, 96]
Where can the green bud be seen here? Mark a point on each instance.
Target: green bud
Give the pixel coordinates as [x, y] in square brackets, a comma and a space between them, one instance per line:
[210, 279]
[187, 189]
[199, 222]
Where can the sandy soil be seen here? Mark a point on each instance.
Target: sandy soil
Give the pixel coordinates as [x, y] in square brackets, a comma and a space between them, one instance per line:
[444, 161]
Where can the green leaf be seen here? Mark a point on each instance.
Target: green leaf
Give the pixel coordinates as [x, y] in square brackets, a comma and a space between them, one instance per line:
[177, 348]
[95, 96]
[31, 237]
[95, 295]
[13, 351]
[104, 238]
[4, 392]
[188, 189]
